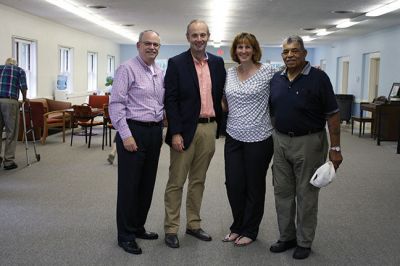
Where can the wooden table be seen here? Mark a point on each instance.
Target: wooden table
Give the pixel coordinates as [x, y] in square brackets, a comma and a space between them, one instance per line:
[386, 124]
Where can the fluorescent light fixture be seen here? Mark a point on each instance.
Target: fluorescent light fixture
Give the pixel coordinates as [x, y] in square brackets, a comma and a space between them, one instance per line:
[384, 9]
[85, 13]
[346, 23]
[307, 38]
[323, 32]
[219, 14]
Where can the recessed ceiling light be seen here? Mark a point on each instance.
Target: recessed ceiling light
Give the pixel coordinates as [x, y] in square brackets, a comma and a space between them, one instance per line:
[96, 6]
[343, 12]
[128, 25]
[86, 14]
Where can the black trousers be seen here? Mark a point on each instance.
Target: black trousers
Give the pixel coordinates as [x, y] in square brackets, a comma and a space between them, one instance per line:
[136, 178]
[246, 166]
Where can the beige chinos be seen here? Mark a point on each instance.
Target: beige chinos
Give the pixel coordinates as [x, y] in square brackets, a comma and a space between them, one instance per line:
[196, 158]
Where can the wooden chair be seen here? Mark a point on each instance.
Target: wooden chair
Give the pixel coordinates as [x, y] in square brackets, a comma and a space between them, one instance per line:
[98, 101]
[84, 117]
[54, 119]
[362, 121]
[107, 125]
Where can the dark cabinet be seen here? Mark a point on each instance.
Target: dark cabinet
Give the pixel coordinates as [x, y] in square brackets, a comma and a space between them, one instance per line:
[345, 103]
[387, 122]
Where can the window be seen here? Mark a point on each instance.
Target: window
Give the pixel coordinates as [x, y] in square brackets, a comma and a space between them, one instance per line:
[92, 71]
[110, 65]
[24, 51]
[66, 65]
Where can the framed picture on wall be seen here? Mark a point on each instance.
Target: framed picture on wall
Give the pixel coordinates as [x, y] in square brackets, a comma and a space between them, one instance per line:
[394, 94]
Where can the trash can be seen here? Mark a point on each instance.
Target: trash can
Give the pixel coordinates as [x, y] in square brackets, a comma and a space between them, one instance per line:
[345, 103]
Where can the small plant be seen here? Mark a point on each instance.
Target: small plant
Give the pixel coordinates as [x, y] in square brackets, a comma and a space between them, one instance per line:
[109, 81]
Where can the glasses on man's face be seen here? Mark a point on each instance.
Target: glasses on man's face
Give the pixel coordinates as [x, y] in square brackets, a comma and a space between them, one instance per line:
[294, 51]
[154, 44]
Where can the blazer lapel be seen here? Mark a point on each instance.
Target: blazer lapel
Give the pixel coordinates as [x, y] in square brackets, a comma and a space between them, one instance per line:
[212, 68]
[192, 69]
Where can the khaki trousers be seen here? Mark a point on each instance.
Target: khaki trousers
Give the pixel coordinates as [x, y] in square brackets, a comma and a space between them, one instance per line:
[192, 164]
[9, 118]
[296, 200]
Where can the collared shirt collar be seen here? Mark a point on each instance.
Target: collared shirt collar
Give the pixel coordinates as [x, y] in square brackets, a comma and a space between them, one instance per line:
[197, 61]
[305, 71]
[146, 66]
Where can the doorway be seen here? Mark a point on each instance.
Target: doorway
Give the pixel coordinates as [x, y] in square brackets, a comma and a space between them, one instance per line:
[374, 64]
[343, 74]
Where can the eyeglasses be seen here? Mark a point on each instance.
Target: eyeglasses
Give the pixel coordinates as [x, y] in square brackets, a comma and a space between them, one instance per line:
[293, 51]
[149, 44]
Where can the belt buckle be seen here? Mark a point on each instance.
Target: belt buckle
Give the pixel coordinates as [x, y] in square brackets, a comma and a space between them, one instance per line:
[291, 134]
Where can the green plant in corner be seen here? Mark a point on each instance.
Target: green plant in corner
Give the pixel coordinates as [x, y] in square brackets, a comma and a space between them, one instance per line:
[109, 81]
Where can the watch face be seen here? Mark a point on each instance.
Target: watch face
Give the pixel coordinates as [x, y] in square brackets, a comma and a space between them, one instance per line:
[335, 148]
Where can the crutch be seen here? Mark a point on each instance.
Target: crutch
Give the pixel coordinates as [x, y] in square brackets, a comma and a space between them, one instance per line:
[30, 130]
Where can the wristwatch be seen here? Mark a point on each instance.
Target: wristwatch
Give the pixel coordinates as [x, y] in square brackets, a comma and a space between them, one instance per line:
[335, 148]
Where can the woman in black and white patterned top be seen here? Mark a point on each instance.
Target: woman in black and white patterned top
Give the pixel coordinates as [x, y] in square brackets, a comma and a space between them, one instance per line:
[248, 145]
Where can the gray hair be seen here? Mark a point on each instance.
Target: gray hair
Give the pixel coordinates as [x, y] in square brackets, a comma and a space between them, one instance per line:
[295, 38]
[143, 32]
[11, 61]
[196, 21]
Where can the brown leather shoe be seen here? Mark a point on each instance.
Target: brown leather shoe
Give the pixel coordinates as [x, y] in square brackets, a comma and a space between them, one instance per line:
[199, 233]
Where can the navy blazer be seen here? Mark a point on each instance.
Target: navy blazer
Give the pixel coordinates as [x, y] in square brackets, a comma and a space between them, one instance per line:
[182, 94]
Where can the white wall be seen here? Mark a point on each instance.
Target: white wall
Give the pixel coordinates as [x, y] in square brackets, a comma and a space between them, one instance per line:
[272, 54]
[386, 42]
[49, 37]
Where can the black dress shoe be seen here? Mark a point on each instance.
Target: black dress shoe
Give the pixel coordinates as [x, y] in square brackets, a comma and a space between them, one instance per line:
[172, 240]
[10, 166]
[147, 235]
[282, 246]
[301, 253]
[199, 233]
[130, 247]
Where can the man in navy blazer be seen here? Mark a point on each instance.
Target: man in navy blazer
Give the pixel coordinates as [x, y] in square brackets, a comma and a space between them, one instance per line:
[194, 84]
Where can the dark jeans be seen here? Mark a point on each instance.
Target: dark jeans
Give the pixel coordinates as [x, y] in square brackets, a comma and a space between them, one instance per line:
[246, 167]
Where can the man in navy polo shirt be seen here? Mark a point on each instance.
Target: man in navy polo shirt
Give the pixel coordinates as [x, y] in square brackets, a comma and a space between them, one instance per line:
[302, 101]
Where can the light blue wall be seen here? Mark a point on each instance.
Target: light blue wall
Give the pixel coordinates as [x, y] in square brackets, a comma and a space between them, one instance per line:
[386, 42]
[272, 54]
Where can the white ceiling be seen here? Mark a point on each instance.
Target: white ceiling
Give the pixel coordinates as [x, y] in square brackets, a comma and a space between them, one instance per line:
[270, 20]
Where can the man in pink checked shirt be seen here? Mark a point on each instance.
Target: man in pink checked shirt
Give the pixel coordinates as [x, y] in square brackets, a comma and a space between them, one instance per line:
[136, 111]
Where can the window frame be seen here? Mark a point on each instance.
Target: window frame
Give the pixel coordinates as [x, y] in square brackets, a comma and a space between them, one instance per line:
[92, 61]
[27, 61]
[65, 66]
